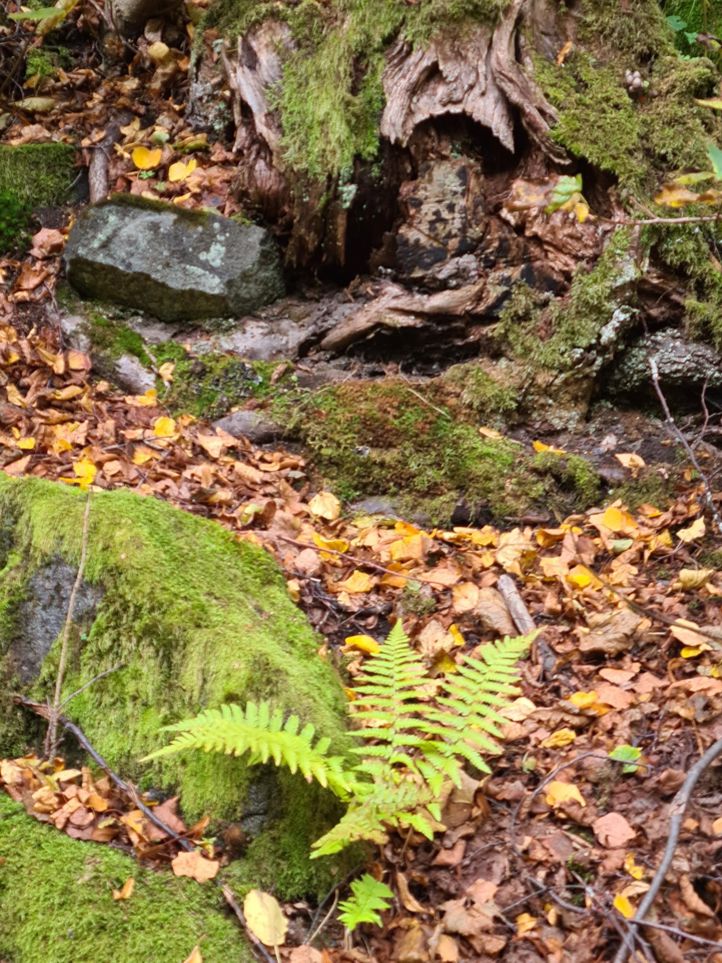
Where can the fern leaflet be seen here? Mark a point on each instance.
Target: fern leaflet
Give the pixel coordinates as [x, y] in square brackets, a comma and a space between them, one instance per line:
[369, 896]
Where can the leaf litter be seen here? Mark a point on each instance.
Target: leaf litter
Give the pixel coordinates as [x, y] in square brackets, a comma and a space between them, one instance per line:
[545, 859]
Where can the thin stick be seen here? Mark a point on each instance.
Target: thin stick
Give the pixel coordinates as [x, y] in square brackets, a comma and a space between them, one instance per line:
[677, 810]
[233, 903]
[45, 711]
[96, 678]
[672, 425]
[51, 737]
[525, 623]
[321, 926]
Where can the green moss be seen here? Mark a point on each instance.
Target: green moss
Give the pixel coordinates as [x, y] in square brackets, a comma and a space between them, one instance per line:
[331, 97]
[650, 488]
[114, 339]
[209, 385]
[637, 140]
[14, 219]
[556, 337]
[572, 474]
[479, 392]
[372, 438]
[37, 174]
[692, 251]
[194, 617]
[56, 903]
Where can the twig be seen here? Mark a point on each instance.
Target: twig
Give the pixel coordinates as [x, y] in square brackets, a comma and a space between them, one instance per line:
[321, 926]
[51, 737]
[45, 711]
[677, 810]
[525, 623]
[233, 903]
[360, 562]
[96, 678]
[429, 404]
[672, 425]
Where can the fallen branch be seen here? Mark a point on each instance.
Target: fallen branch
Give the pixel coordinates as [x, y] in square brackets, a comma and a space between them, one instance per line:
[524, 623]
[45, 712]
[672, 425]
[677, 810]
[51, 736]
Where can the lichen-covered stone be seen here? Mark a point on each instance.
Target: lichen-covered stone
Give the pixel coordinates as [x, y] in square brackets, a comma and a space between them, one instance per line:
[173, 263]
[189, 618]
[681, 363]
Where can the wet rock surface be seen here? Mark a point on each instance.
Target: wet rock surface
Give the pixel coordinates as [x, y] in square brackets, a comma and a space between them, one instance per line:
[174, 264]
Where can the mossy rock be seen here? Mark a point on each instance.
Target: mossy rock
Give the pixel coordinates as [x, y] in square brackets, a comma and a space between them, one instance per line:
[373, 438]
[194, 617]
[31, 176]
[56, 903]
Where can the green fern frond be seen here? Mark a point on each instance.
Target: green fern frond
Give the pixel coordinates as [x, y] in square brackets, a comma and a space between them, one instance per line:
[369, 897]
[262, 733]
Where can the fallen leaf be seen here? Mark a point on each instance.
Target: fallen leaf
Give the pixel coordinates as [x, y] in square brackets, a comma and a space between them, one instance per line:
[145, 159]
[264, 917]
[613, 830]
[325, 505]
[696, 530]
[195, 955]
[126, 890]
[364, 643]
[558, 793]
[180, 170]
[622, 905]
[195, 865]
[358, 582]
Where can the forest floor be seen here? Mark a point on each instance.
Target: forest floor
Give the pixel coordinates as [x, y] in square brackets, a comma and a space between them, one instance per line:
[550, 857]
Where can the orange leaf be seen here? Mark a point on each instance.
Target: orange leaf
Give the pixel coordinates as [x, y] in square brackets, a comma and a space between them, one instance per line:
[126, 890]
[145, 159]
[195, 865]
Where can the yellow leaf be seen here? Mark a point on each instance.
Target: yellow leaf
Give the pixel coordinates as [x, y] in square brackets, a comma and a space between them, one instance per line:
[695, 530]
[580, 577]
[126, 890]
[165, 372]
[541, 447]
[623, 906]
[490, 433]
[456, 634]
[617, 520]
[164, 427]
[525, 922]
[294, 589]
[145, 159]
[195, 956]
[581, 211]
[264, 918]
[672, 195]
[147, 400]
[364, 643]
[85, 472]
[631, 461]
[636, 872]
[357, 582]
[26, 444]
[691, 652]
[690, 578]
[554, 566]
[559, 739]
[179, 171]
[583, 700]
[325, 505]
[465, 597]
[558, 793]
[330, 544]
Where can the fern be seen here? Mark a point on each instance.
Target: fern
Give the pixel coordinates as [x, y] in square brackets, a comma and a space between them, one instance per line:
[263, 734]
[369, 896]
[415, 733]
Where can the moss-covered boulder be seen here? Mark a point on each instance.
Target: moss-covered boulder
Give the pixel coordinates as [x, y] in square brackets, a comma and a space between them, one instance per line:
[56, 903]
[188, 617]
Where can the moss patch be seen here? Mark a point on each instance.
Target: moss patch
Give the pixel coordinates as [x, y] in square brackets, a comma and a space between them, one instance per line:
[331, 96]
[37, 174]
[378, 438]
[209, 385]
[56, 903]
[195, 617]
[637, 140]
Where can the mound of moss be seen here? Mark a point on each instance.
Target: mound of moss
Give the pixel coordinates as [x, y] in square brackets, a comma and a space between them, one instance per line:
[31, 176]
[192, 617]
[381, 438]
[56, 903]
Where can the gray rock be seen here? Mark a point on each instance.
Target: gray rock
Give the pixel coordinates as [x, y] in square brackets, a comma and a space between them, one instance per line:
[129, 374]
[73, 327]
[43, 614]
[253, 425]
[681, 362]
[176, 264]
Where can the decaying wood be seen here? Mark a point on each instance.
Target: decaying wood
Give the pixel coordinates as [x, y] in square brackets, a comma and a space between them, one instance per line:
[450, 76]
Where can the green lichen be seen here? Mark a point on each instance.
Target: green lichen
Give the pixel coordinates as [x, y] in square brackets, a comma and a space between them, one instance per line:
[56, 903]
[194, 617]
[371, 439]
[37, 174]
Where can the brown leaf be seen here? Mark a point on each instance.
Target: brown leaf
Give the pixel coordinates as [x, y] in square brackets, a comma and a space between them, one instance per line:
[409, 901]
[126, 890]
[613, 831]
[195, 865]
[693, 902]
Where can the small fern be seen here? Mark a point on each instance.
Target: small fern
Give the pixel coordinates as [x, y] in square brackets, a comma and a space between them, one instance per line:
[415, 733]
[369, 897]
[263, 734]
